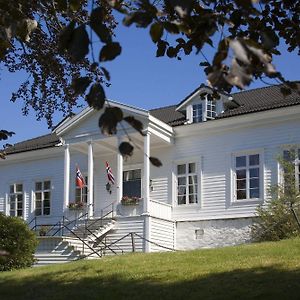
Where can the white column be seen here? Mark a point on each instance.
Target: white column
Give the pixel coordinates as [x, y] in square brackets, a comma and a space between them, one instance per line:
[146, 177]
[146, 191]
[66, 177]
[90, 201]
[119, 174]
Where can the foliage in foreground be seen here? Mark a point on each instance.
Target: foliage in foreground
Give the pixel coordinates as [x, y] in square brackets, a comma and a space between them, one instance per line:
[277, 219]
[17, 243]
[243, 272]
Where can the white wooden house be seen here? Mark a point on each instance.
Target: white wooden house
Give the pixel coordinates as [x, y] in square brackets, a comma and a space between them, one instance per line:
[219, 159]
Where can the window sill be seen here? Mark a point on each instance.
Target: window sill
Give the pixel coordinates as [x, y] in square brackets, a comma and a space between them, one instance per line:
[247, 202]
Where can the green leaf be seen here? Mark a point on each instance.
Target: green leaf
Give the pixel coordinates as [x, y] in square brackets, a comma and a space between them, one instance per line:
[96, 96]
[99, 28]
[106, 73]
[156, 32]
[75, 4]
[79, 44]
[110, 51]
[136, 124]
[161, 48]
[126, 149]
[109, 120]
[65, 36]
[171, 27]
[80, 84]
[155, 161]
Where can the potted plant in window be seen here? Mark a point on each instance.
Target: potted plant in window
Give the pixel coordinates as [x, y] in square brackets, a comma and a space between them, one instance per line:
[130, 200]
[78, 205]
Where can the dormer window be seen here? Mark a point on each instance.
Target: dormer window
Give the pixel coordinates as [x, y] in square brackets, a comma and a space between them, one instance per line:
[203, 111]
[197, 113]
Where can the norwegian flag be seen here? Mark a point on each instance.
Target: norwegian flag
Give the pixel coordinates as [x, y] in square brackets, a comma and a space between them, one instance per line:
[110, 175]
[79, 179]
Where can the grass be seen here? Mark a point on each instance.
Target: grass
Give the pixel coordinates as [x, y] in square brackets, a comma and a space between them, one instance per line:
[256, 271]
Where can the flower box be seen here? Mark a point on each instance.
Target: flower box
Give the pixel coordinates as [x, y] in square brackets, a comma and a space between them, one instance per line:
[76, 206]
[126, 200]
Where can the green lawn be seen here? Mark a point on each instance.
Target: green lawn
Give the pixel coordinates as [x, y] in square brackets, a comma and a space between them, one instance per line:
[257, 271]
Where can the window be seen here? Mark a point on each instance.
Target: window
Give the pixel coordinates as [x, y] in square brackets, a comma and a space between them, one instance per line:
[187, 184]
[16, 200]
[292, 156]
[247, 177]
[206, 110]
[82, 194]
[132, 183]
[42, 198]
[210, 109]
[197, 113]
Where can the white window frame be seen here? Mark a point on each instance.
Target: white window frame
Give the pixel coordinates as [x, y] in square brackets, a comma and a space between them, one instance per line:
[86, 187]
[197, 173]
[296, 162]
[15, 194]
[247, 153]
[206, 114]
[42, 191]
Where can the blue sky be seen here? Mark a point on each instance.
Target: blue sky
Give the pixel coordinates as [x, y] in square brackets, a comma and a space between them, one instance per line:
[138, 78]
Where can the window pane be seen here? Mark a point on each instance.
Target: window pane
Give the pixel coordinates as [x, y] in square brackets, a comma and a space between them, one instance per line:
[181, 180]
[20, 197]
[136, 174]
[193, 199]
[12, 189]
[181, 169]
[19, 187]
[132, 188]
[241, 184]
[240, 161]
[193, 189]
[241, 194]
[47, 211]
[254, 183]
[47, 185]
[254, 160]
[38, 186]
[254, 193]
[254, 172]
[192, 168]
[46, 195]
[19, 212]
[181, 200]
[12, 198]
[241, 174]
[193, 179]
[38, 204]
[38, 196]
[181, 190]
[38, 212]
[47, 203]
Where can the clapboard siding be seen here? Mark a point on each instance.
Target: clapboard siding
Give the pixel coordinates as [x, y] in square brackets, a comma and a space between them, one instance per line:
[162, 234]
[123, 226]
[216, 151]
[27, 173]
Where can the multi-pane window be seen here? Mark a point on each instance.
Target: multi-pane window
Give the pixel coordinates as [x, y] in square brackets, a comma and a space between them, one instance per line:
[197, 113]
[16, 200]
[42, 198]
[132, 183]
[187, 184]
[247, 177]
[81, 194]
[210, 109]
[290, 177]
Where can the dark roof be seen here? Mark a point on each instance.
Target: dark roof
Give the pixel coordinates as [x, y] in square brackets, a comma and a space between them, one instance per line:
[41, 142]
[250, 101]
[260, 99]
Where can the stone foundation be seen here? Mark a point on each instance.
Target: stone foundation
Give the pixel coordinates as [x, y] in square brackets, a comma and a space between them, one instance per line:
[212, 233]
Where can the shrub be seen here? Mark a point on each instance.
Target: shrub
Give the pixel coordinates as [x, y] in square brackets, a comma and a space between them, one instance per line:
[276, 218]
[17, 243]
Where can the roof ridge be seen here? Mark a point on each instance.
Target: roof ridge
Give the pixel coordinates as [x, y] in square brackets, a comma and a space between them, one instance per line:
[37, 137]
[162, 107]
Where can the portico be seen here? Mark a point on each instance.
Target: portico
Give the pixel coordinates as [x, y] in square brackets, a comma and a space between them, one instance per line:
[98, 148]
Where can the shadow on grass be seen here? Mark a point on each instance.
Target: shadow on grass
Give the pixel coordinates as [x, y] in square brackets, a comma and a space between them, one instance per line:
[260, 283]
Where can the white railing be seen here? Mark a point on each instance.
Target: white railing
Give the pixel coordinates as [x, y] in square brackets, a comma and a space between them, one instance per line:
[160, 210]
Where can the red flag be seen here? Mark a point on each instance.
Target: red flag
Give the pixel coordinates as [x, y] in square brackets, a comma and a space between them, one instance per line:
[79, 179]
[110, 175]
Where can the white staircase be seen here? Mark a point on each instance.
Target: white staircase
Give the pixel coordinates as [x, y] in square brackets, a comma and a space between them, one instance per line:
[75, 244]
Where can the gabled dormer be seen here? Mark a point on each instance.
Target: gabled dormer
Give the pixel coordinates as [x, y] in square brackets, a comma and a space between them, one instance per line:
[200, 106]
